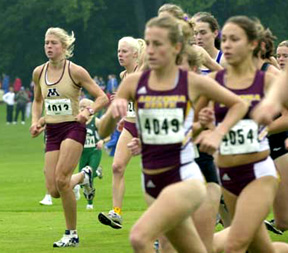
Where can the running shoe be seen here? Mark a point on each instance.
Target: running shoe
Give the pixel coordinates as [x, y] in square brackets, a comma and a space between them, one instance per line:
[157, 246]
[88, 189]
[76, 191]
[68, 240]
[99, 172]
[270, 225]
[89, 207]
[112, 219]
[46, 201]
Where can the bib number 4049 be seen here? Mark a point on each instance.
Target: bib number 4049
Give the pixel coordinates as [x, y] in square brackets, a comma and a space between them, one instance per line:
[161, 126]
[154, 126]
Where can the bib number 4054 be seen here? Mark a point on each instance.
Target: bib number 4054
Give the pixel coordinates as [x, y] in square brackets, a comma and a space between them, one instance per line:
[241, 139]
[238, 137]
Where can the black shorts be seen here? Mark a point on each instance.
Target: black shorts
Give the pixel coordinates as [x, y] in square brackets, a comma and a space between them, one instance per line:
[207, 167]
[277, 144]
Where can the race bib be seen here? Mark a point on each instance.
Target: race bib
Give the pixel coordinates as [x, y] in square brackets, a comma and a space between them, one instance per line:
[130, 110]
[161, 126]
[241, 139]
[90, 142]
[55, 107]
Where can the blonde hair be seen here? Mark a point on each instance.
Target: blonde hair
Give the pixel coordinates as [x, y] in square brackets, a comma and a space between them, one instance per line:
[132, 42]
[284, 43]
[178, 32]
[142, 52]
[66, 39]
[87, 101]
[194, 58]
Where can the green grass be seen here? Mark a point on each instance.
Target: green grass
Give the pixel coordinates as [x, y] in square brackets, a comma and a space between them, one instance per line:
[25, 226]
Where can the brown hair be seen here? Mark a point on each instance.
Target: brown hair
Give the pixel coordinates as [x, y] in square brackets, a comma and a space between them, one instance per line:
[213, 25]
[252, 29]
[175, 10]
[268, 39]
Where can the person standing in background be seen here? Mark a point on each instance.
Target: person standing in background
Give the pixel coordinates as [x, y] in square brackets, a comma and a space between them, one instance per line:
[112, 84]
[29, 104]
[21, 99]
[5, 83]
[17, 84]
[8, 98]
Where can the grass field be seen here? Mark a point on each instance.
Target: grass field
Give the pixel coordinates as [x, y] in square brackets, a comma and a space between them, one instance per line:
[25, 226]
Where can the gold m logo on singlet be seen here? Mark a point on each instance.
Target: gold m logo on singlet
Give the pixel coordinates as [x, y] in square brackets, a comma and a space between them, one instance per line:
[53, 93]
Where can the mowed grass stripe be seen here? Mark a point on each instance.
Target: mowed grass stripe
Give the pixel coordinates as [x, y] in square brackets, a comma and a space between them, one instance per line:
[25, 226]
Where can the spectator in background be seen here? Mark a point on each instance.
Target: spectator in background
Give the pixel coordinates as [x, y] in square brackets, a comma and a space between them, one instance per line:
[9, 99]
[1, 92]
[29, 103]
[96, 79]
[17, 84]
[102, 83]
[5, 83]
[110, 146]
[112, 84]
[32, 84]
[21, 99]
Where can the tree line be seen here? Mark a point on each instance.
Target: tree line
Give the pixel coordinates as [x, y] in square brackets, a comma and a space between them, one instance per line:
[99, 24]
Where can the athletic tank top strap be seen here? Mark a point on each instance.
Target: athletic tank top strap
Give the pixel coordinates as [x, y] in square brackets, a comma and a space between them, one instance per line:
[219, 56]
[252, 94]
[143, 81]
[220, 76]
[180, 86]
[265, 66]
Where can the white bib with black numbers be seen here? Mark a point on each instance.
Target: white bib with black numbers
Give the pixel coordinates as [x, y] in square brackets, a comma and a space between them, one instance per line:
[130, 110]
[56, 107]
[161, 126]
[90, 142]
[241, 139]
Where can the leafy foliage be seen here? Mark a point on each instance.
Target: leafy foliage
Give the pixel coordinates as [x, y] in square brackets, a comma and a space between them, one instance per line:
[99, 24]
[193, 6]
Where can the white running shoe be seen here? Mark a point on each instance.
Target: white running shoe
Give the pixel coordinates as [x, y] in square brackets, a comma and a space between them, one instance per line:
[76, 191]
[46, 201]
[99, 172]
[89, 207]
[88, 189]
[68, 240]
[112, 219]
